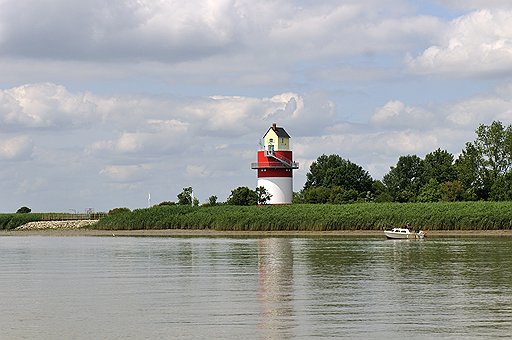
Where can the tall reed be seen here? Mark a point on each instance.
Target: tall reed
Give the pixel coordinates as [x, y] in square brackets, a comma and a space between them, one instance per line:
[318, 217]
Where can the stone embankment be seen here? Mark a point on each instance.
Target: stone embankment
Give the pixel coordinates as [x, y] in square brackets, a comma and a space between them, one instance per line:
[75, 224]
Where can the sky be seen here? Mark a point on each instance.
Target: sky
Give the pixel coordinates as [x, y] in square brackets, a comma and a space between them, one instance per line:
[105, 102]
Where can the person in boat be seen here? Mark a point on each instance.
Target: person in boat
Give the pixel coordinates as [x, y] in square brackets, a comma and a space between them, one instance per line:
[408, 226]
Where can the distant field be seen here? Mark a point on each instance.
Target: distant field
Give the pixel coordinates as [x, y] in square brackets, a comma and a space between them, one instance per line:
[365, 216]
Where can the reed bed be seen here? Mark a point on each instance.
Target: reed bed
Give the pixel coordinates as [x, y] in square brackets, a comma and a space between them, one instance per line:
[318, 217]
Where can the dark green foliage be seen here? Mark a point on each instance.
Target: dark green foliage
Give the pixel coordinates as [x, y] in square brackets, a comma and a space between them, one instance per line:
[118, 211]
[341, 196]
[494, 145]
[470, 172]
[317, 195]
[185, 197]
[430, 192]
[332, 179]
[381, 193]
[243, 196]
[23, 210]
[405, 179]
[486, 160]
[330, 171]
[298, 197]
[452, 191]
[334, 195]
[166, 203]
[212, 200]
[501, 190]
[312, 217]
[11, 221]
[439, 165]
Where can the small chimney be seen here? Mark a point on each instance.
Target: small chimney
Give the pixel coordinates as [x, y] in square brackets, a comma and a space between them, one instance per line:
[274, 126]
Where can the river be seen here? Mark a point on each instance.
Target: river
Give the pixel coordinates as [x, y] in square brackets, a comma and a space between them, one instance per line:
[254, 288]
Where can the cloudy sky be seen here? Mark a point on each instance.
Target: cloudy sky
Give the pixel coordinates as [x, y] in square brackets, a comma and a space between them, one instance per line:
[103, 102]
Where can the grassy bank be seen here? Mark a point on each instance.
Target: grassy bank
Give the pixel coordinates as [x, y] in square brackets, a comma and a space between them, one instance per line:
[11, 221]
[432, 216]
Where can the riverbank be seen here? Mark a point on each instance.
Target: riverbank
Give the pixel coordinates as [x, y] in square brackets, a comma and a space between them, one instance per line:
[216, 233]
[295, 219]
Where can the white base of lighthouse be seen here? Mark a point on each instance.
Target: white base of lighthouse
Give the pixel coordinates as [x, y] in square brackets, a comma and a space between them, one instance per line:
[281, 189]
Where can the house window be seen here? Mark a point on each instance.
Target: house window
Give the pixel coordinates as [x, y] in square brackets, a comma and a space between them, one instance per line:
[271, 141]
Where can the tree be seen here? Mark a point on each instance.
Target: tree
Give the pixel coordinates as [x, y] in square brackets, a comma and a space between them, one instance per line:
[405, 179]
[381, 192]
[330, 171]
[212, 200]
[243, 196]
[317, 195]
[298, 197]
[118, 211]
[439, 166]
[430, 192]
[166, 203]
[494, 143]
[501, 190]
[453, 191]
[185, 197]
[263, 195]
[468, 173]
[23, 210]
[486, 159]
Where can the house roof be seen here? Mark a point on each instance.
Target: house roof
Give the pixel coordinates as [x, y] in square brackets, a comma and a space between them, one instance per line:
[280, 132]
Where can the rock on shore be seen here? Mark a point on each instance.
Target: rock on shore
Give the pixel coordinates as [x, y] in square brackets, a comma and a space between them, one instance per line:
[75, 224]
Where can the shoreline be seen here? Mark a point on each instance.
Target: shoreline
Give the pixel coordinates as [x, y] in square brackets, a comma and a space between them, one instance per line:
[216, 233]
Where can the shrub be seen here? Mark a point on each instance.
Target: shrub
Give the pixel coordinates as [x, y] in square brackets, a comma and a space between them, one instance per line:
[23, 210]
[166, 203]
[118, 211]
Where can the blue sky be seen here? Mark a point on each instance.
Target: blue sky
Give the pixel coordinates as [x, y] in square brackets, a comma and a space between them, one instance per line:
[102, 103]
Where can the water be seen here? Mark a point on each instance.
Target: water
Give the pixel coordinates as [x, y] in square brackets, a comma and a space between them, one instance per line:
[254, 288]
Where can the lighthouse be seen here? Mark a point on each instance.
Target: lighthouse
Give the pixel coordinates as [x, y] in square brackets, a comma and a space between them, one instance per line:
[275, 165]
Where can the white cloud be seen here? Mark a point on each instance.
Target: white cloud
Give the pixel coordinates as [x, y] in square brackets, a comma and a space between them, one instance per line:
[480, 110]
[397, 115]
[17, 148]
[476, 4]
[44, 106]
[477, 43]
[159, 137]
[115, 29]
[125, 173]
[194, 30]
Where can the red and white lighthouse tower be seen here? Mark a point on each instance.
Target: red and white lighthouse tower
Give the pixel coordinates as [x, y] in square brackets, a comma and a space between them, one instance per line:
[275, 165]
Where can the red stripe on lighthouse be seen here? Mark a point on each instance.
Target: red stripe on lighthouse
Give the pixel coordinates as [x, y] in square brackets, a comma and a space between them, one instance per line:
[269, 172]
[271, 161]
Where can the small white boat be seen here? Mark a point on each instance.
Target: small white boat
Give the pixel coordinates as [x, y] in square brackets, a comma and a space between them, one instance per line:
[403, 233]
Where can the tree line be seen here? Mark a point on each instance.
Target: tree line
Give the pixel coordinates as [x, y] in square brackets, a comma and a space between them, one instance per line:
[482, 171]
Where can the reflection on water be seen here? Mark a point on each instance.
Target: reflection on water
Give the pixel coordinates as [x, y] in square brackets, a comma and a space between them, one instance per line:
[255, 288]
[275, 287]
